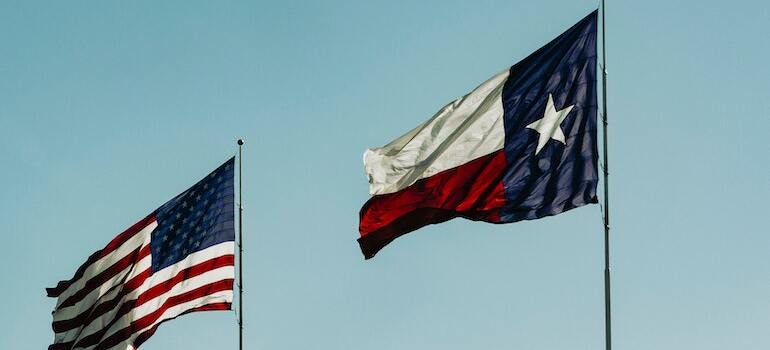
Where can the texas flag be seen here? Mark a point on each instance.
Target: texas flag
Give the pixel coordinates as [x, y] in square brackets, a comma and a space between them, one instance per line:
[520, 146]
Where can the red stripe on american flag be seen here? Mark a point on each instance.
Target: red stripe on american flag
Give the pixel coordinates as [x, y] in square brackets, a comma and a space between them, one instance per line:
[137, 325]
[208, 265]
[105, 275]
[142, 337]
[158, 290]
[88, 316]
[151, 318]
[114, 244]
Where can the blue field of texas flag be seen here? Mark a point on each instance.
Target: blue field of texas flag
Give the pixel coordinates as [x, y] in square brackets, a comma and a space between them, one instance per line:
[520, 146]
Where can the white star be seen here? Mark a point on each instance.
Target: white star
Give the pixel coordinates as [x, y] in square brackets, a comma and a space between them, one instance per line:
[549, 127]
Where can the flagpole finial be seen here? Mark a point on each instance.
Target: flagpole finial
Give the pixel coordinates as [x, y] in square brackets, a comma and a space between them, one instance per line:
[241, 142]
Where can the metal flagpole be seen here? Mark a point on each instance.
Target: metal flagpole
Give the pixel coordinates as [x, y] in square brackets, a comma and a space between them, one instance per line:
[607, 313]
[240, 244]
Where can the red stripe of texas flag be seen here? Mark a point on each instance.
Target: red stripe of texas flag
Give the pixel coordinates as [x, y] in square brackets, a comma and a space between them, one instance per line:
[473, 190]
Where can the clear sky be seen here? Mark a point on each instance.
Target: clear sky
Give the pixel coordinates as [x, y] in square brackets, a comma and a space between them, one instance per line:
[109, 109]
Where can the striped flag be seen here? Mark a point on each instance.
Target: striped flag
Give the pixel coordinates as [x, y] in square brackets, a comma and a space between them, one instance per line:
[177, 260]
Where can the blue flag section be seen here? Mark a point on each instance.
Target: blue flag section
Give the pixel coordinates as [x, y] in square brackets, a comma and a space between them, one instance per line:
[196, 219]
[552, 156]
[520, 146]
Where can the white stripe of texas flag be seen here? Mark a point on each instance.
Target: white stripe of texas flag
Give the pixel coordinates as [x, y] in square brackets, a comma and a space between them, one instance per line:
[466, 129]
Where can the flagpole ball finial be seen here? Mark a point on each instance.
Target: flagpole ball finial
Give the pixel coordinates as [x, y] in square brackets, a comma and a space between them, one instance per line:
[241, 142]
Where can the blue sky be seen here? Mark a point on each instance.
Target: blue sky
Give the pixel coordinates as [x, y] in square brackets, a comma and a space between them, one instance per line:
[108, 109]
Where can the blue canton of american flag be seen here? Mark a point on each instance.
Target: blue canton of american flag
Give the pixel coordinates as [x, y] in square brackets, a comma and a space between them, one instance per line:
[177, 260]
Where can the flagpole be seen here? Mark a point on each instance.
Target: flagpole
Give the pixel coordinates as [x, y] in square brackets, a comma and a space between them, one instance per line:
[240, 243]
[607, 313]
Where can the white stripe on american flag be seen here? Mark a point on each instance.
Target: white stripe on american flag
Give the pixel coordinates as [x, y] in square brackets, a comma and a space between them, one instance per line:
[211, 276]
[157, 277]
[139, 239]
[75, 332]
[106, 291]
[69, 312]
[219, 297]
[72, 311]
[151, 305]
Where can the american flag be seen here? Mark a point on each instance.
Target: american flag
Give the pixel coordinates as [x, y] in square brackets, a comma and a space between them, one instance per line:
[177, 260]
